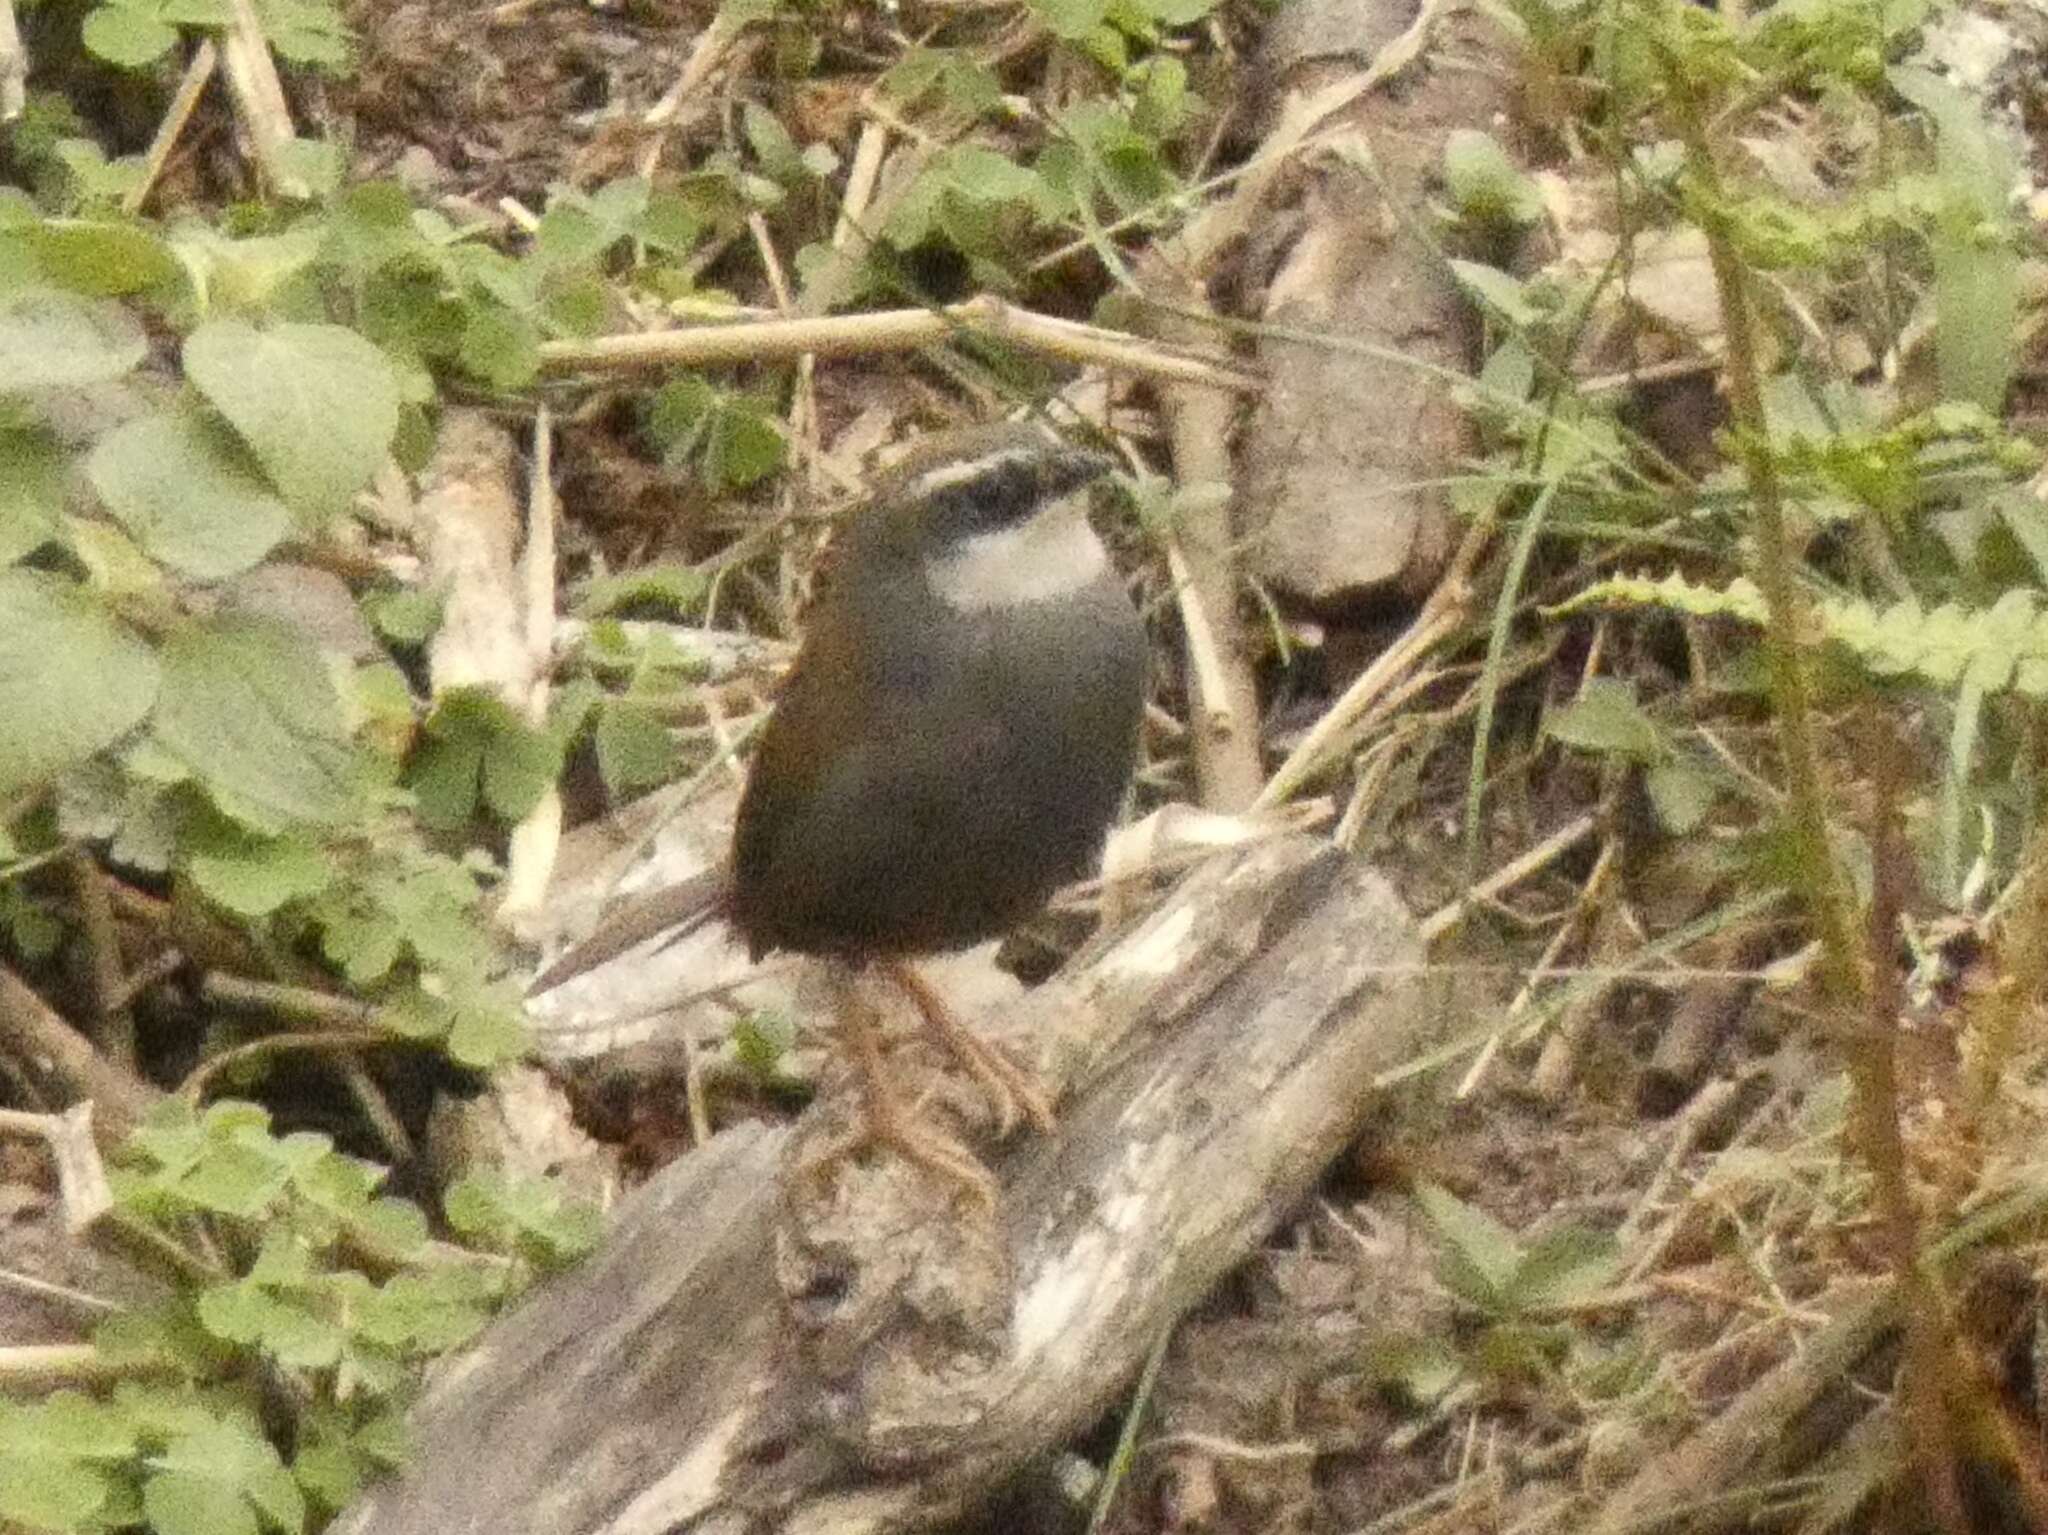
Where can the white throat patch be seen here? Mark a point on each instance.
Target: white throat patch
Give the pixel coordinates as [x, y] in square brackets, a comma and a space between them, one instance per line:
[1053, 555]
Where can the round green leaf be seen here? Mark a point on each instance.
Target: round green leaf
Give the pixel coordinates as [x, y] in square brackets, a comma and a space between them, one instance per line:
[249, 706]
[127, 36]
[54, 340]
[71, 679]
[317, 404]
[254, 876]
[186, 495]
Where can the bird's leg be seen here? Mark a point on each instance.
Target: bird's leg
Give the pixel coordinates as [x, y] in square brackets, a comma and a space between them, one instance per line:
[1014, 1091]
[886, 1118]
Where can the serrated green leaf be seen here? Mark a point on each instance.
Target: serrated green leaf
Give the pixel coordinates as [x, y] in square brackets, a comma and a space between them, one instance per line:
[298, 1339]
[745, 448]
[250, 707]
[55, 340]
[317, 404]
[519, 767]
[185, 493]
[761, 1040]
[501, 346]
[983, 175]
[386, 1439]
[72, 681]
[634, 747]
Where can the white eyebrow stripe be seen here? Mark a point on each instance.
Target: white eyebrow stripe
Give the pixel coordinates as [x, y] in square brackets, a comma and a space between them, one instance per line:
[945, 476]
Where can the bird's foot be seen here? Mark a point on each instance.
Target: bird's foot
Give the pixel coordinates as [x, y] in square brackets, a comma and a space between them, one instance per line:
[1013, 1089]
[888, 1123]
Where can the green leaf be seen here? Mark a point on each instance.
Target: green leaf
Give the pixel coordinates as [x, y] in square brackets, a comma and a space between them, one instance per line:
[317, 404]
[101, 257]
[404, 616]
[236, 1313]
[475, 750]
[1564, 1268]
[233, 1180]
[486, 1033]
[85, 1429]
[331, 1472]
[520, 765]
[650, 591]
[127, 36]
[1497, 291]
[500, 346]
[982, 175]
[248, 705]
[47, 1492]
[54, 340]
[745, 447]
[185, 1503]
[249, 875]
[634, 748]
[31, 492]
[1478, 1256]
[1681, 794]
[185, 492]
[1485, 183]
[72, 681]
[1071, 19]
[1606, 718]
[761, 1040]
[363, 942]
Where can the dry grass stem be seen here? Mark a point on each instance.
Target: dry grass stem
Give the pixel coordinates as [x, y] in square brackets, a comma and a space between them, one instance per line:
[13, 65]
[897, 330]
[191, 86]
[537, 839]
[259, 97]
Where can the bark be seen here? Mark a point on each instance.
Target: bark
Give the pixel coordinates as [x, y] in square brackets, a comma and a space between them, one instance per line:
[760, 1351]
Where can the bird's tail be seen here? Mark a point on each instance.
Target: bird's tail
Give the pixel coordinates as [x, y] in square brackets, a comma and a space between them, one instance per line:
[674, 910]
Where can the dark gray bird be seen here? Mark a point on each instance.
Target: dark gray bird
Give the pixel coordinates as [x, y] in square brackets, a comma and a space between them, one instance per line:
[949, 748]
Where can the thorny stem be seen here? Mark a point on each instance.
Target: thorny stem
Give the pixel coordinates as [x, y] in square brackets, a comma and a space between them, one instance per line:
[1850, 974]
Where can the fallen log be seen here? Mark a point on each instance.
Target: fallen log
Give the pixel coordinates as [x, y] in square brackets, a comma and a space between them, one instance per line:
[756, 1353]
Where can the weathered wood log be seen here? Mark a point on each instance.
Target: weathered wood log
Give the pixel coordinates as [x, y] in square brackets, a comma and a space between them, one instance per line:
[760, 1352]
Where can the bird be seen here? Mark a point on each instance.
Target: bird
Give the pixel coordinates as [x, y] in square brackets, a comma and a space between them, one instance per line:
[949, 747]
